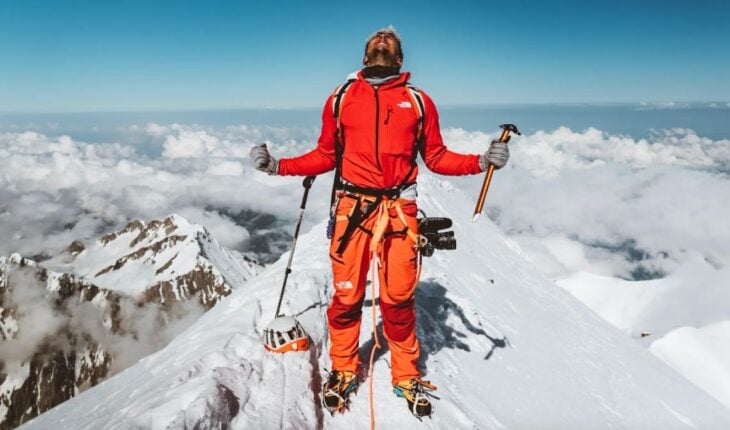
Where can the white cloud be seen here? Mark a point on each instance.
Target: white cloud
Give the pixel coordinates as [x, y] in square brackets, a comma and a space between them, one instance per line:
[547, 153]
[37, 320]
[194, 144]
[663, 105]
[153, 129]
[42, 321]
[225, 168]
[597, 196]
[564, 193]
[227, 232]
[54, 190]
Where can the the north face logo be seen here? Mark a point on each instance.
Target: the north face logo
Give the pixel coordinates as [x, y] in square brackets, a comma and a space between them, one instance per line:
[344, 285]
[404, 105]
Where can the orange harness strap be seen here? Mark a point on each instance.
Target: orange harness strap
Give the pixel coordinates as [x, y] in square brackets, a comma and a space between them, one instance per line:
[373, 275]
[381, 224]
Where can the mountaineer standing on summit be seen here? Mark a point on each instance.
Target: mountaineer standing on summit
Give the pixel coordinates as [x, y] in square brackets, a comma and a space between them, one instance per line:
[373, 128]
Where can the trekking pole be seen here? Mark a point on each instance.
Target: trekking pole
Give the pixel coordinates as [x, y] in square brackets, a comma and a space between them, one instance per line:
[307, 185]
[506, 130]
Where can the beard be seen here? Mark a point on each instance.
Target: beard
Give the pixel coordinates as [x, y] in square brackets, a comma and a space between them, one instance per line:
[382, 57]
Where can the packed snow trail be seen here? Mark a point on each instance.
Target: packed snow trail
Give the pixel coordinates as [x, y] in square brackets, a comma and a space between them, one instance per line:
[506, 347]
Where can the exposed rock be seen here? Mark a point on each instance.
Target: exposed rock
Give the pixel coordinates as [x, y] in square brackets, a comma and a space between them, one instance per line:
[201, 282]
[167, 242]
[132, 226]
[75, 248]
[186, 263]
[62, 365]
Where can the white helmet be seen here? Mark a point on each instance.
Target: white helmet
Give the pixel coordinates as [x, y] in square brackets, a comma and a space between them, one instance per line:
[285, 334]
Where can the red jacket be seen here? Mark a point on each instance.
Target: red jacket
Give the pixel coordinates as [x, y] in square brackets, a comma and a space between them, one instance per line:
[379, 129]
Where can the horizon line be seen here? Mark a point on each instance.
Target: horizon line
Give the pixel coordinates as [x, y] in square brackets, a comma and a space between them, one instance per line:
[668, 105]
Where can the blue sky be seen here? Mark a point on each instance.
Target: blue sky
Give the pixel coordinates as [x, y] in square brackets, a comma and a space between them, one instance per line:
[68, 56]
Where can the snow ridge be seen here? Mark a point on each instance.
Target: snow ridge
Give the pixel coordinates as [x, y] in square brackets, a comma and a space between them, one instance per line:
[506, 347]
[168, 259]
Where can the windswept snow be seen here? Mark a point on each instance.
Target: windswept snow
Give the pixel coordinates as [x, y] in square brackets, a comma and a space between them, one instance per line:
[506, 347]
[684, 325]
[702, 355]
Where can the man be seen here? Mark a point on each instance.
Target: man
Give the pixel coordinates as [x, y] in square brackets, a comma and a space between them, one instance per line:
[371, 131]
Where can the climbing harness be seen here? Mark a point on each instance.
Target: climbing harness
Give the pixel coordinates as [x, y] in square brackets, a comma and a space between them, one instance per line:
[338, 184]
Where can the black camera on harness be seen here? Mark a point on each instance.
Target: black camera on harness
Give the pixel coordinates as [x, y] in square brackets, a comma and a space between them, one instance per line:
[430, 238]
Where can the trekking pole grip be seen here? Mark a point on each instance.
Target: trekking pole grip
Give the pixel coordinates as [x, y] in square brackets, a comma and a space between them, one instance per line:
[307, 184]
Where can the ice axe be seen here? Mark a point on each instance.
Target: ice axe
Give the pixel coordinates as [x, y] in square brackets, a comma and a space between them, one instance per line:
[284, 333]
[506, 130]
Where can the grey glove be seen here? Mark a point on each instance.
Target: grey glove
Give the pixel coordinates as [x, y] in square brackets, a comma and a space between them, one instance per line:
[497, 155]
[263, 161]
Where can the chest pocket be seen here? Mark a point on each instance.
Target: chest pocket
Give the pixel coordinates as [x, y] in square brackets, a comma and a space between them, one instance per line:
[398, 121]
[399, 125]
[357, 122]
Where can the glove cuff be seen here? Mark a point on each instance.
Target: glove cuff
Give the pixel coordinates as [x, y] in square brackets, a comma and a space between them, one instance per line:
[273, 168]
[483, 162]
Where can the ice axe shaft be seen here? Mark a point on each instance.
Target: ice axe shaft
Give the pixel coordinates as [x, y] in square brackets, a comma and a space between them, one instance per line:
[504, 137]
[307, 185]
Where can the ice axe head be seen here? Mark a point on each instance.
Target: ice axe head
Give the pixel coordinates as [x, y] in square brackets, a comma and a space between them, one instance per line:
[506, 130]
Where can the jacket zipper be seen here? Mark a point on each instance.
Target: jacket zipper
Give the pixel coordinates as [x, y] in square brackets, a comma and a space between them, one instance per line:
[377, 132]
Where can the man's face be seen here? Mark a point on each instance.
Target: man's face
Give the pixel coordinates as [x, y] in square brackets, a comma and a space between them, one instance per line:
[383, 50]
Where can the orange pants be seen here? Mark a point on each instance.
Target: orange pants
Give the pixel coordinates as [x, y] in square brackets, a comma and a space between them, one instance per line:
[397, 278]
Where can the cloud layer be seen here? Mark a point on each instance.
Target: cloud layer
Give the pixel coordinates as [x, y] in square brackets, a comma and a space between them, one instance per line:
[587, 200]
[609, 204]
[54, 189]
[42, 321]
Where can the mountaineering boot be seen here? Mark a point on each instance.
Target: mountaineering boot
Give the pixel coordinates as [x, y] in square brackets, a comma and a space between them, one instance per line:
[416, 392]
[337, 389]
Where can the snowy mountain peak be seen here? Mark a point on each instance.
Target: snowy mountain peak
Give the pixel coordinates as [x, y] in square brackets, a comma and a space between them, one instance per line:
[506, 347]
[168, 257]
[68, 322]
[143, 230]
[147, 234]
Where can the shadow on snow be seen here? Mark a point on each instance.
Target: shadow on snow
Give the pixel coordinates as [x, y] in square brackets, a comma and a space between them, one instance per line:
[434, 331]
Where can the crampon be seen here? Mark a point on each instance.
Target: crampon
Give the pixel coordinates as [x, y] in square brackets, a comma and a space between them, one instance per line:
[417, 393]
[337, 389]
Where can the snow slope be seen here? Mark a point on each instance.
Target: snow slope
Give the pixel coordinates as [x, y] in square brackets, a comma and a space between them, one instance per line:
[702, 355]
[685, 325]
[506, 347]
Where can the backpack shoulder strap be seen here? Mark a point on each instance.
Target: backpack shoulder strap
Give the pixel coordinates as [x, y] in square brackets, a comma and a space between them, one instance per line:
[419, 107]
[337, 99]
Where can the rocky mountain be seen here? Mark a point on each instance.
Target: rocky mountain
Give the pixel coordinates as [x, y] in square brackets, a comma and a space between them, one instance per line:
[69, 322]
[54, 365]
